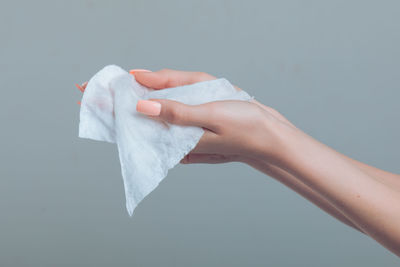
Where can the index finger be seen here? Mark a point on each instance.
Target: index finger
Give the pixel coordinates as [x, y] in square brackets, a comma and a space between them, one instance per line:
[167, 78]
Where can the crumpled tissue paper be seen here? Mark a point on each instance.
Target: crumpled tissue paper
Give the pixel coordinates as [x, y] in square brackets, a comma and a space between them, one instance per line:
[147, 148]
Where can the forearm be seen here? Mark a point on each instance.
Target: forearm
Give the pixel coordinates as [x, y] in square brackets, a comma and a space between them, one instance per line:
[370, 204]
[390, 179]
[296, 185]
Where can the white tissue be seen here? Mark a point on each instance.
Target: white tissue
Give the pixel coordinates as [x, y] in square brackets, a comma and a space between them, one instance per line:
[147, 148]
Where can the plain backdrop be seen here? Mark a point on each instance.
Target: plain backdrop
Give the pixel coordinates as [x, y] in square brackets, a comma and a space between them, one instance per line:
[331, 67]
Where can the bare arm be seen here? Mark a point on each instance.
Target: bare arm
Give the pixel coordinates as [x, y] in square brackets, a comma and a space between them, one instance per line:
[289, 180]
[359, 195]
[302, 189]
[390, 179]
[371, 203]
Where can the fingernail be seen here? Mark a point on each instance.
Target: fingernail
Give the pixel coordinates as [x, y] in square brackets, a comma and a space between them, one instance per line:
[148, 107]
[79, 87]
[138, 70]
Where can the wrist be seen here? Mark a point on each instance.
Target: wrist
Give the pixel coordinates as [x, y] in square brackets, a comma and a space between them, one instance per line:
[282, 146]
[298, 150]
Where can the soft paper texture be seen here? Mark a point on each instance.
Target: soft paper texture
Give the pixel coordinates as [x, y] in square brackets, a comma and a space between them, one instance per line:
[147, 148]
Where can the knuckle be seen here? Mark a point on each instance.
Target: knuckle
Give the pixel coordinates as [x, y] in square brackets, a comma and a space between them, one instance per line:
[213, 115]
[173, 114]
[169, 82]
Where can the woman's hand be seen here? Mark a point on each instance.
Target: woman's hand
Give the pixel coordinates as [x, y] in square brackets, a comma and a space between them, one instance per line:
[234, 130]
[361, 196]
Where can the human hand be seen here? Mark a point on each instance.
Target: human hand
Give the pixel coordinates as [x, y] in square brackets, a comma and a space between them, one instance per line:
[356, 194]
[234, 130]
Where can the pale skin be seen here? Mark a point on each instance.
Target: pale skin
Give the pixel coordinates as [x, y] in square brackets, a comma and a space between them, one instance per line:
[361, 196]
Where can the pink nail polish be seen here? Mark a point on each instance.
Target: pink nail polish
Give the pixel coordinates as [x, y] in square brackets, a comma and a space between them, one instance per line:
[80, 88]
[138, 70]
[148, 107]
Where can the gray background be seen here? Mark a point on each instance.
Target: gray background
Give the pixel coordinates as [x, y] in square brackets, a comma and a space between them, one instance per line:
[332, 67]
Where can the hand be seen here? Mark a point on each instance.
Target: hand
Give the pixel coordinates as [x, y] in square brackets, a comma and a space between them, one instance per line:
[234, 130]
[357, 194]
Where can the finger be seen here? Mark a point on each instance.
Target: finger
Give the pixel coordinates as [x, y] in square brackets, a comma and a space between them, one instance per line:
[193, 158]
[80, 88]
[178, 113]
[134, 71]
[167, 78]
[84, 85]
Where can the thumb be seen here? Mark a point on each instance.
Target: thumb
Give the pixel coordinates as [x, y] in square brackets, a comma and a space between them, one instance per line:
[177, 113]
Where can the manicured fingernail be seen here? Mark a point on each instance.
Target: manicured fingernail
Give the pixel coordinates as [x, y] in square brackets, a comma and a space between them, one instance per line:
[138, 70]
[79, 87]
[84, 85]
[148, 107]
